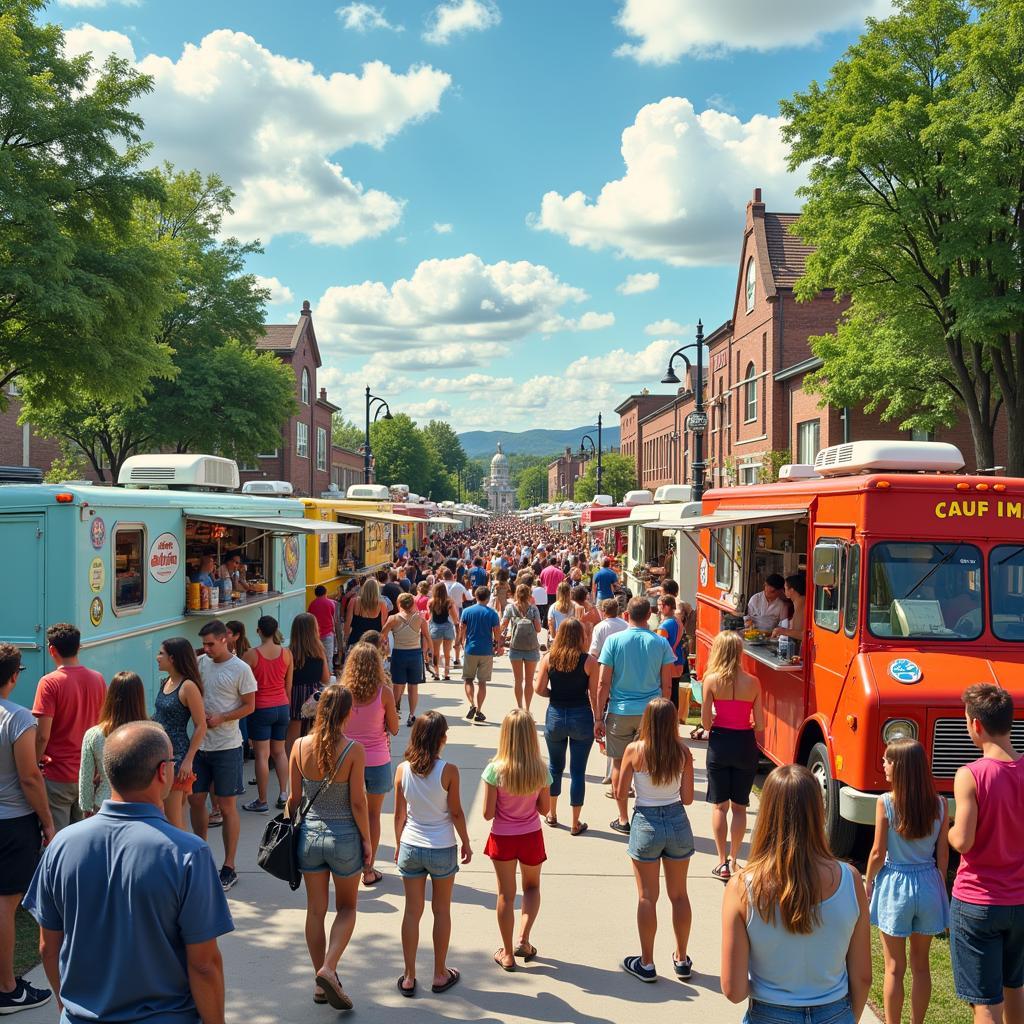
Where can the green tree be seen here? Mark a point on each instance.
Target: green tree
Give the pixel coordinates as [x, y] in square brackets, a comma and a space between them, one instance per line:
[445, 443]
[915, 146]
[618, 475]
[81, 289]
[345, 433]
[400, 453]
[532, 486]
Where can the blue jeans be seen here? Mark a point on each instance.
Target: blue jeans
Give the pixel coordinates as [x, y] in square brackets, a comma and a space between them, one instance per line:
[838, 1012]
[572, 727]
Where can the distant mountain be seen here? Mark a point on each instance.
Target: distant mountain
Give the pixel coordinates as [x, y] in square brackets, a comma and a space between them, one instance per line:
[533, 442]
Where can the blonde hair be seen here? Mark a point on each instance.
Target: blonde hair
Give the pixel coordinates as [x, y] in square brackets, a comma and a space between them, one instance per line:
[521, 770]
[569, 643]
[369, 598]
[406, 601]
[364, 672]
[522, 596]
[563, 598]
[658, 736]
[724, 659]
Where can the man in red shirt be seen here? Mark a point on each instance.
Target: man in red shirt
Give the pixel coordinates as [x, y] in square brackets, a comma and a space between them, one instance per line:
[550, 577]
[68, 702]
[324, 610]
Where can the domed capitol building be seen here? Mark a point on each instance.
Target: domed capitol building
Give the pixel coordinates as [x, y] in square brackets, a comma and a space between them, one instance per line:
[501, 495]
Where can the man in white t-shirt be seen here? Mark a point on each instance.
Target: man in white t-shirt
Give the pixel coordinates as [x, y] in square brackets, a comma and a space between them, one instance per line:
[229, 694]
[767, 609]
[457, 594]
[610, 624]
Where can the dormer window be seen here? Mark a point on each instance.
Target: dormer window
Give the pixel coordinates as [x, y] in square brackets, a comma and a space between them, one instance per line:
[305, 386]
[751, 283]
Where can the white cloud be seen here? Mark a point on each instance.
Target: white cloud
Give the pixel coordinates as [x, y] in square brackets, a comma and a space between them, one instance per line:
[362, 17]
[667, 327]
[667, 29]
[687, 180]
[471, 382]
[579, 401]
[452, 356]
[443, 229]
[451, 301]
[635, 284]
[279, 293]
[590, 321]
[457, 17]
[620, 366]
[431, 409]
[270, 126]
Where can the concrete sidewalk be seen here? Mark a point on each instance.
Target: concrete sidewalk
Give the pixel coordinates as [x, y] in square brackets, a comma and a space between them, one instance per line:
[586, 923]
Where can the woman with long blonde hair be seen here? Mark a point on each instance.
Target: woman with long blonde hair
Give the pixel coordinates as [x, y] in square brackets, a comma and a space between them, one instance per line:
[367, 611]
[795, 932]
[310, 672]
[444, 619]
[561, 609]
[568, 678]
[517, 792]
[334, 839]
[374, 720]
[520, 624]
[732, 712]
[660, 767]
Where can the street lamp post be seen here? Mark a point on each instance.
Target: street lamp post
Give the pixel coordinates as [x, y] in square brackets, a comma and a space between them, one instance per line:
[594, 448]
[697, 421]
[379, 406]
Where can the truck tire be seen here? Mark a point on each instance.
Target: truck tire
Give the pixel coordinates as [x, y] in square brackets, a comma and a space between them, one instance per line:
[841, 833]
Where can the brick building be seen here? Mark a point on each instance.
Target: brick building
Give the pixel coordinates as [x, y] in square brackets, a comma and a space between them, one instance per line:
[563, 474]
[20, 445]
[759, 413]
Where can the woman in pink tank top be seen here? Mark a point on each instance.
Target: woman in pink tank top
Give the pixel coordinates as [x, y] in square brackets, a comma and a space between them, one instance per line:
[732, 713]
[372, 722]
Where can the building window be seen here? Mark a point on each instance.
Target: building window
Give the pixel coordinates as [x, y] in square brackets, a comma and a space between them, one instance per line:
[321, 448]
[922, 435]
[302, 440]
[750, 473]
[305, 386]
[751, 283]
[267, 455]
[808, 441]
[750, 394]
[129, 568]
[12, 388]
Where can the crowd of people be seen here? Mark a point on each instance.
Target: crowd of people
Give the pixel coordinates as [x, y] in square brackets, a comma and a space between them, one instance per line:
[93, 789]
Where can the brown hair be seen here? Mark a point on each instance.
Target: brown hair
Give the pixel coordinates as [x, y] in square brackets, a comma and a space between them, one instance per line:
[242, 644]
[522, 596]
[425, 741]
[568, 644]
[406, 601]
[990, 705]
[439, 601]
[579, 594]
[658, 736]
[363, 673]
[332, 711]
[125, 701]
[304, 642]
[638, 609]
[913, 793]
[181, 654]
[787, 848]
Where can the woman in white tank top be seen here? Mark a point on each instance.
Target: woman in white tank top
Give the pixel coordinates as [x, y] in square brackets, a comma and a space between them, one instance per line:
[428, 814]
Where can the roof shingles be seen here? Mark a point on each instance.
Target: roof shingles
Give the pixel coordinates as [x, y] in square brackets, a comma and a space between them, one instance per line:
[787, 253]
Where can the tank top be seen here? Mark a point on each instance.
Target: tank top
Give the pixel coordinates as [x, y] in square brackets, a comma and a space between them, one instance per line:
[334, 802]
[903, 851]
[309, 675]
[363, 624]
[570, 689]
[648, 794]
[803, 970]
[270, 673]
[428, 822]
[174, 716]
[407, 634]
[992, 871]
[440, 618]
[366, 725]
[732, 714]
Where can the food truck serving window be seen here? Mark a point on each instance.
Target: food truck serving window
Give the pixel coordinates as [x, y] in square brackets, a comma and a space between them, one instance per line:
[1006, 583]
[925, 591]
[129, 568]
[721, 543]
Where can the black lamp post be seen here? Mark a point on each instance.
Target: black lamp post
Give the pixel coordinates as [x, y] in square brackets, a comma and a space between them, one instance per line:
[697, 421]
[379, 406]
[594, 448]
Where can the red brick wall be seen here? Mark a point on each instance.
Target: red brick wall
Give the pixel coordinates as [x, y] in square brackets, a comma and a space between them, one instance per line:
[41, 450]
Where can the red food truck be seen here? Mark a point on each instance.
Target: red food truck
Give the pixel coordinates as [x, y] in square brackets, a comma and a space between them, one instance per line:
[914, 590]
[609, 524]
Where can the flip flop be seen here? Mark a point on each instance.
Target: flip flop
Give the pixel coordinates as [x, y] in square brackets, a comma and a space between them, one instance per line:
[407, 992]
[583, 826]
[497, 959]
[553, 822]
[520, 951]
[331, 988]
[453, 979]
[722, 872]
[377, 877]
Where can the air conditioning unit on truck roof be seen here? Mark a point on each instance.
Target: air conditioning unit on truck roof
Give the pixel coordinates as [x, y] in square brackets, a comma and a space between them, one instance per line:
[894, 456]
[369, 492]
[206, 472]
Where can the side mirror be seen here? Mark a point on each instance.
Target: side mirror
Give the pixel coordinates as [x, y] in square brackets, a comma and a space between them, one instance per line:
[826, 565]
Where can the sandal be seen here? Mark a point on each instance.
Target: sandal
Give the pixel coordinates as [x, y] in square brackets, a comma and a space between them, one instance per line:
[698, 733]
[497, 958]
[453, 979]
[331, 988]
[319, 998]
[551, 820]
[526, 951]
[579, 829]
[722, 872]
[377, 877]
[407, 992]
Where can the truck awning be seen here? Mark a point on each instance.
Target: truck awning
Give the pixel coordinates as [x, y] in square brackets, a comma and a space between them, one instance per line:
[445, 519]
[640, 514]
[382, 517]
[275, 524]
[735, 517]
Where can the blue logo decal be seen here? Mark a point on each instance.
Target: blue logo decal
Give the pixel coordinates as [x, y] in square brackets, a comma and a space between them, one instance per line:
[903, 670]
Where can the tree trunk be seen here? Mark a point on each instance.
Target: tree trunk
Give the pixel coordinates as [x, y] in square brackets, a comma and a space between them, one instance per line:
[1015, 439]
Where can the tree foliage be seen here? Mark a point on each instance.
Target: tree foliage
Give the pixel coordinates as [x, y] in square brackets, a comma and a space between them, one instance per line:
[400, 453]
[618, 475]
[532, 486]
[345, 434]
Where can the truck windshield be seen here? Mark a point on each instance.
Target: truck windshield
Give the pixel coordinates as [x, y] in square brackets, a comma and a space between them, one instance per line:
[925, 591]
[1006, 583]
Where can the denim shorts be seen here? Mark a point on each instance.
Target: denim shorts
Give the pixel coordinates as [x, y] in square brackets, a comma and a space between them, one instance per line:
[420, 861]
[442, 631]
[222, 769]
[407, 667]
[838, 1012]
[514, 655]
[334, 846]
[269, 723]
[657, 832]
[986, 945]
[379, 778]
[909, 899]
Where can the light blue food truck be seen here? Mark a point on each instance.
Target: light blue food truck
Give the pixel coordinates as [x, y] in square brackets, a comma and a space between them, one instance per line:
[117, 561]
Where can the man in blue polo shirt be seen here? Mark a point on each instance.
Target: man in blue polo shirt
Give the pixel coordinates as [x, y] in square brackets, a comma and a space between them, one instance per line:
[130, 907]
[604, 580]
[636, 667]
[480, 631]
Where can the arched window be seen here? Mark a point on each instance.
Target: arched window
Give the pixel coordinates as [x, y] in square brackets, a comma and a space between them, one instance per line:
[751, 283]
[750, 394]
[305, 386]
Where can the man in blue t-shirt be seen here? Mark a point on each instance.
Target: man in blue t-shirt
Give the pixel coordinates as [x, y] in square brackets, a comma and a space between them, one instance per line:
[636, 667]
[604, 579]
[130, 907]
[477, 575]
[480, 634]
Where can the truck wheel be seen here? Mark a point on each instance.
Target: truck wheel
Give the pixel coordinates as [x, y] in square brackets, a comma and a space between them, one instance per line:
[841, 833]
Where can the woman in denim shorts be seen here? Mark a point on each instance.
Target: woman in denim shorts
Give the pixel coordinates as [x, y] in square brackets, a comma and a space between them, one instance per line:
[443, 619]
[428, 813]
[326, 774]
[660, 767]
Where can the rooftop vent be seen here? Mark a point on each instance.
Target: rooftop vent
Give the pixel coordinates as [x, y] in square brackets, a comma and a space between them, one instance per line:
[20, 475]
[199, 472]
[369, 492]
[799, 471]
[268, 487]
[674, 493]
[604, 500]
[638, 498]
[895, 456]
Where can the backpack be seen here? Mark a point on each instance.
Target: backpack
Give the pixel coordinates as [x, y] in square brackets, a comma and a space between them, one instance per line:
[524, 633]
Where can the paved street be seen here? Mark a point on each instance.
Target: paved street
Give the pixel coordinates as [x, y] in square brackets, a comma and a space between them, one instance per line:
[586, 924]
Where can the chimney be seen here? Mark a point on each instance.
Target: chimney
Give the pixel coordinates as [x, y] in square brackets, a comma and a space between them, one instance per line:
[323, 394]
[757, 199]
[305, 307]
[755, 209]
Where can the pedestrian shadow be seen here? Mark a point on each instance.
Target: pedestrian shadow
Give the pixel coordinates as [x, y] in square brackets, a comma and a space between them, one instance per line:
[612, 983]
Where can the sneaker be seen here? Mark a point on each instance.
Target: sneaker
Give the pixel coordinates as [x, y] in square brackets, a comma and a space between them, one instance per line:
[479, 717]
[632, 965]
[471, 713]
[617, 826]
[23, 997]
[456, 663]
[256, 806]
[215, 820]
[409, 721]
[683, 968]
[228, 877]
[282, 800]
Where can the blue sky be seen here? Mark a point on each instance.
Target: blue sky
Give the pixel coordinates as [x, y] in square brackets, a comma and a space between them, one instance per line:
[450, 185]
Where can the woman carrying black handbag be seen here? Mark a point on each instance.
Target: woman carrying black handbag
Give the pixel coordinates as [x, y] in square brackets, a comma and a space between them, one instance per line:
[326, 774]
